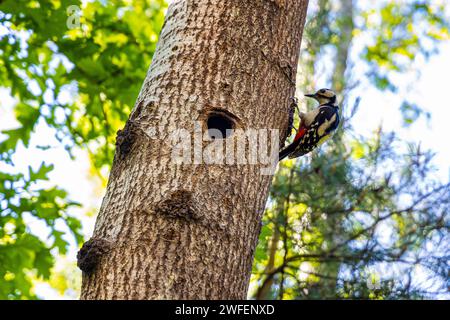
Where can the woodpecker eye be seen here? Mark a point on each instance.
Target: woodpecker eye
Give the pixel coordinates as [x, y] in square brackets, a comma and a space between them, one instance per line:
[219, 126]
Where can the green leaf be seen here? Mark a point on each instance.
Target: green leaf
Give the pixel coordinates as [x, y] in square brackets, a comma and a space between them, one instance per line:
[59, 242]
[41, 173]
[43, 263]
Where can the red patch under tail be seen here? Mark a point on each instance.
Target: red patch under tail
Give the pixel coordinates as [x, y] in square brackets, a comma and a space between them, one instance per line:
[301, 132]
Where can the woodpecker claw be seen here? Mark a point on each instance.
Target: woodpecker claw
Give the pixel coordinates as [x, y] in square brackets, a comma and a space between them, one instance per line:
[294, 102]
[293, 106]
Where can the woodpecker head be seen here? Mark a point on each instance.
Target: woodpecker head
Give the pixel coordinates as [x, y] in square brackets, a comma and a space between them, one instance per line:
[324, 96]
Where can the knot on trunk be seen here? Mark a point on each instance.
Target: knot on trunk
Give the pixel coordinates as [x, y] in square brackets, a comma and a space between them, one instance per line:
[278, 3]
[125, 139]
[91, 252]
[180, 204]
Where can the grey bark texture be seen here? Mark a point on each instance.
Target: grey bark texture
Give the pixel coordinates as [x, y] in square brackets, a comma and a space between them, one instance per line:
[189, 231]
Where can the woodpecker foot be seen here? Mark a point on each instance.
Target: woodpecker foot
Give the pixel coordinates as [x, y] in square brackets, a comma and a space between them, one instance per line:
[293, 106]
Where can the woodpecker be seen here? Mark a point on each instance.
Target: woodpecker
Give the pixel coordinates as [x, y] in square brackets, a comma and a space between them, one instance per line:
[316, 126]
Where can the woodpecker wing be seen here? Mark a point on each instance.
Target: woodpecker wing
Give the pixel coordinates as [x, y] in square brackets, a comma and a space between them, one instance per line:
[325, 122]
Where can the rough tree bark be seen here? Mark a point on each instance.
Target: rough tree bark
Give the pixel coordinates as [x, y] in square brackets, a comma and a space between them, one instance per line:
[188, 231]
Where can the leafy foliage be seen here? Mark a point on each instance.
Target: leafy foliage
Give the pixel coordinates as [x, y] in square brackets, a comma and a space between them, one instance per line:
[80, 81]
[102, 63]
[401, 32]
[20, 251]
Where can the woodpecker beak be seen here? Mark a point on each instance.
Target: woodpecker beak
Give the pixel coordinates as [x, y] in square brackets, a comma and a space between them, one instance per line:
[310, 95]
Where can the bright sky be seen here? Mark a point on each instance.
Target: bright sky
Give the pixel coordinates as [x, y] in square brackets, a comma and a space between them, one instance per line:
[430, 91]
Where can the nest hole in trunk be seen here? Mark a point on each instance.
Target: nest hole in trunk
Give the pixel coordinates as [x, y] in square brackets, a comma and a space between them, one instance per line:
[220, 125]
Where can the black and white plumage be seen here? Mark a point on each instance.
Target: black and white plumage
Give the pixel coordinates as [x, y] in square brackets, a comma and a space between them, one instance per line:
[316, 126]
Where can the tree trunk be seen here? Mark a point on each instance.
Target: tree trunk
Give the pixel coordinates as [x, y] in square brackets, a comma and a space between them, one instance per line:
[264, 290]
[177, 230]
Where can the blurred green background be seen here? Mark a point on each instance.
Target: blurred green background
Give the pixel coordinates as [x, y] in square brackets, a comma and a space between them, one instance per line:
[365, 217]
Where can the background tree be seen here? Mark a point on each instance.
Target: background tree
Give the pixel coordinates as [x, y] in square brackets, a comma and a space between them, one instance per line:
[326, 225]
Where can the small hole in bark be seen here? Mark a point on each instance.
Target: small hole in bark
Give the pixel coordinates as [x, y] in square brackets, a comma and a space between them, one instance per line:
[219, 126]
